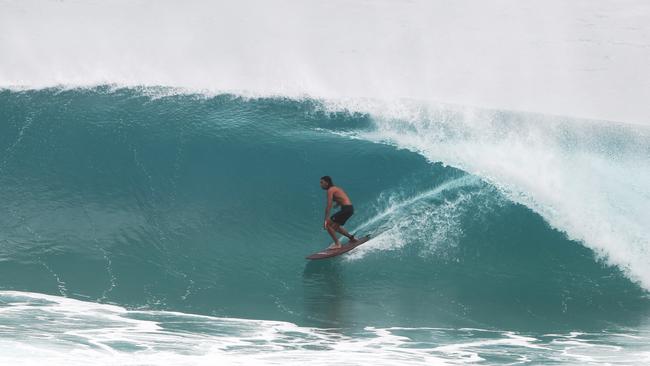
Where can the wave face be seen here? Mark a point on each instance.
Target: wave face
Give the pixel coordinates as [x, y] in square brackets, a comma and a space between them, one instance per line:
[152, 199]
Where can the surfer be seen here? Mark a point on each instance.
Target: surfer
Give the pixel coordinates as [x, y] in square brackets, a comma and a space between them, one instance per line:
[335, 223]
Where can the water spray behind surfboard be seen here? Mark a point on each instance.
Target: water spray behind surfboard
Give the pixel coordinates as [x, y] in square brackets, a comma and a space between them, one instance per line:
[391, 223]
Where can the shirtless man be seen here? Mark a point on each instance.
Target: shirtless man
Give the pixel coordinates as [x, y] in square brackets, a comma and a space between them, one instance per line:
[336, 222]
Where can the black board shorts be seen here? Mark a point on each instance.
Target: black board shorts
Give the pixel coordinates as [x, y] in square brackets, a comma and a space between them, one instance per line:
[343, 215]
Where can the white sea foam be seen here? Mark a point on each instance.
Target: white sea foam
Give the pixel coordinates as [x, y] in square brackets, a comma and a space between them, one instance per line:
[37, 329]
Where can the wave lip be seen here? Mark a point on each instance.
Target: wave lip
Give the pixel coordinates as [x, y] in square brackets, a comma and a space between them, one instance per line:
[580, 59]
[588, 179]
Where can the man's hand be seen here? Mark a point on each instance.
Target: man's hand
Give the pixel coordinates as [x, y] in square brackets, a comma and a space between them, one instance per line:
[327, 221]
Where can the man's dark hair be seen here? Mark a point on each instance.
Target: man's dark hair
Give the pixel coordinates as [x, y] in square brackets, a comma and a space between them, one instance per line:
[327, 180]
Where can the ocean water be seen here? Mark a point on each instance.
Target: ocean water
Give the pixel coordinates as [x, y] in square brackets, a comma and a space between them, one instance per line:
[157, 204]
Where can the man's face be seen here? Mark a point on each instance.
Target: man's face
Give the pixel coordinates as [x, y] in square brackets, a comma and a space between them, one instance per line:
[323, 184]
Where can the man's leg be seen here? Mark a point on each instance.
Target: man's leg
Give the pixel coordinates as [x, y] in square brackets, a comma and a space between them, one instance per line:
[342, 230]
[332, 231]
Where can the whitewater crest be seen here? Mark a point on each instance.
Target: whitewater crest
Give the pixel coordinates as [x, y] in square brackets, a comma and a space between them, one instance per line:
[588, 179]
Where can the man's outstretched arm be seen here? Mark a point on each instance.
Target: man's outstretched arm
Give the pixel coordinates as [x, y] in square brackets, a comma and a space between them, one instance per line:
[330, 195]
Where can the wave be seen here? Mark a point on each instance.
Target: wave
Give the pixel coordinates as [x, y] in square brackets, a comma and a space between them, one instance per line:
[208, 205]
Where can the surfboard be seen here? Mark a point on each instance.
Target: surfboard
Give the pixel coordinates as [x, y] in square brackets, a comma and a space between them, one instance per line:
[329, 253]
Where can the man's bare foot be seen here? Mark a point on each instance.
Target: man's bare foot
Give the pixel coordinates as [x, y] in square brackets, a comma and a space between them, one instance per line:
[353, 240]
[334, 246]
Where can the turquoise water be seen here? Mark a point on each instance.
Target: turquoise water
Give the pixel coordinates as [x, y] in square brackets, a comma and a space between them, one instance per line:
[162, 217]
